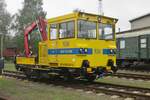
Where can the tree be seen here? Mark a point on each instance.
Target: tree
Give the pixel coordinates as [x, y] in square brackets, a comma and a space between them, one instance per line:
[31, 10]
[5, 19]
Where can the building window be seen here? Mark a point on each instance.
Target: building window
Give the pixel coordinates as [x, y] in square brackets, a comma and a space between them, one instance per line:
[67, 30]
[53, 31]
[122, 44]
[143, 43]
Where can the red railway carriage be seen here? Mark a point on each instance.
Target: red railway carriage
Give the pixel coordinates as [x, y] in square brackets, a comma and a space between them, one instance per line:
[10, 52]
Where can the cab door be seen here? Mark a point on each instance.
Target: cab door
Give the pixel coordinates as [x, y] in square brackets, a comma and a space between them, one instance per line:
[42, 53]
[52, 51]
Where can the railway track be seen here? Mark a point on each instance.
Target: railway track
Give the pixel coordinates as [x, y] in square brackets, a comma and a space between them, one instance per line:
[95, 87]
[134, 76]
[135, 70]
[14, 74]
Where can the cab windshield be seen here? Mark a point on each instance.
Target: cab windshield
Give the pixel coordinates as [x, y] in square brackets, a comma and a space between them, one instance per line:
[106, 31]
[86, 29]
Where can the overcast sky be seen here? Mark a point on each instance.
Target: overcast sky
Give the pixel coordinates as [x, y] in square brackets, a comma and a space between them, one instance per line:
[124, 10]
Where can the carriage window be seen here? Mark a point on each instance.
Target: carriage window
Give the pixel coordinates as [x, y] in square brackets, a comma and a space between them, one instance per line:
[67, 30]
[53, 31]
[106, 31]
[143, 43]
[86, 29]
[122, 44]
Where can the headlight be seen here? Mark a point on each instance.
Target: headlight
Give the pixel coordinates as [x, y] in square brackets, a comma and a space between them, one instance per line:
[112, 51]
[109, 51]
[83, 50]
[80, 50]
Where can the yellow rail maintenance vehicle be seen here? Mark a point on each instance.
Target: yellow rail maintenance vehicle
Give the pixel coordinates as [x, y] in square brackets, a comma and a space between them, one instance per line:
[77, 45]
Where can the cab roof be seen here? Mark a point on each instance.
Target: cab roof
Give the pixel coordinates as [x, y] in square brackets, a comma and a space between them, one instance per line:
[77, 15]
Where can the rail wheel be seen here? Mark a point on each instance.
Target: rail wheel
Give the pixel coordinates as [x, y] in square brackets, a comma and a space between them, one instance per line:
[90, 78]
[28, 73]
[67, 75]
[114, 69]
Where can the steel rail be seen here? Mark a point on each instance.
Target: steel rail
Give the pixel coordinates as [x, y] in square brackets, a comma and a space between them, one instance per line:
[134, 76]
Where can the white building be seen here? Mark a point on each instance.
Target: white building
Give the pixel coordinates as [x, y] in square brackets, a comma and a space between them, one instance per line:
[139, 26]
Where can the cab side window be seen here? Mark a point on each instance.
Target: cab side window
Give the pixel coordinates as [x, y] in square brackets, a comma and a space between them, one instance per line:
[122, 44]
[53, 31]
[67, 30]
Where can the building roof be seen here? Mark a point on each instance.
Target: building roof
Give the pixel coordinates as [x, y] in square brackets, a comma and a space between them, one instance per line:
[133, 30]
[137, 18]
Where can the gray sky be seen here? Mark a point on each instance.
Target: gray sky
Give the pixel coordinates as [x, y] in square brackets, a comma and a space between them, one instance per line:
[124, 10]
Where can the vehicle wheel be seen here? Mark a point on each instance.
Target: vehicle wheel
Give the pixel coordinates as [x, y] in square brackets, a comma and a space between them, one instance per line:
[114, 69]
[28, 73]
[91, 78]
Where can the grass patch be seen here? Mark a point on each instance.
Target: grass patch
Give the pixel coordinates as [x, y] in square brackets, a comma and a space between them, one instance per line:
[9, 66]
[24, 90]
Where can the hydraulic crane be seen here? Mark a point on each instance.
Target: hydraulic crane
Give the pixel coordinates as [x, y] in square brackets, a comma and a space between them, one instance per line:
[41, 25]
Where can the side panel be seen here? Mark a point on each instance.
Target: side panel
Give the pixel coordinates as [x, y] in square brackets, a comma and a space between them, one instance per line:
[25, 60]
[68, 54]
[131, 50]
[132, 47]
[52, 53]
[43, 60]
